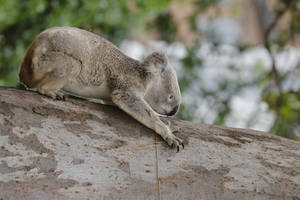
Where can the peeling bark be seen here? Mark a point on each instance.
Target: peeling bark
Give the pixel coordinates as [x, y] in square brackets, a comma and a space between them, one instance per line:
[76, 149]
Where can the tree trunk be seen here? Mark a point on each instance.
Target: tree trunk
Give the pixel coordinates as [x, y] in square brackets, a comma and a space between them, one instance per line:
[76, 149]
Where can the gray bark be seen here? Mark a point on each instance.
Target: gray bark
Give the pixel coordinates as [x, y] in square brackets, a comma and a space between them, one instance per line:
[76, 149]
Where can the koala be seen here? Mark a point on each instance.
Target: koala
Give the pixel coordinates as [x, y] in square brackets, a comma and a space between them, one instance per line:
[86, 65]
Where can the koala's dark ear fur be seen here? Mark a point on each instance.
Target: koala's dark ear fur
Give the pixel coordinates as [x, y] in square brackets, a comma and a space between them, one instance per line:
[157, 59]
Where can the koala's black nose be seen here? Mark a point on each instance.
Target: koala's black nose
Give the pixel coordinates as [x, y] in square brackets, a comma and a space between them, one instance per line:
[174, 111]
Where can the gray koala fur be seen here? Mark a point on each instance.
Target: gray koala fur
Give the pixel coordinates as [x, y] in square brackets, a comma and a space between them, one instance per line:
[84, 64]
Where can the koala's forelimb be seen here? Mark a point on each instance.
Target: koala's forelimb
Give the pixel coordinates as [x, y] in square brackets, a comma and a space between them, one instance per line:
[136, 106]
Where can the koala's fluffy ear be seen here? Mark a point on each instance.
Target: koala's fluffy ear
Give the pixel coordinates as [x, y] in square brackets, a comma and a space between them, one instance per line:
[156, 60]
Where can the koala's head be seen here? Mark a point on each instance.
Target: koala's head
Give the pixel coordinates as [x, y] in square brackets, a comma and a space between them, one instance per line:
[163, 93]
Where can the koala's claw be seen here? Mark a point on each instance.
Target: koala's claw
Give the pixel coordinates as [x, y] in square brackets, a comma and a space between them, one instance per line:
[178, 147]
[60, 96]
[52, 94]
[56, 96]
[175, 142]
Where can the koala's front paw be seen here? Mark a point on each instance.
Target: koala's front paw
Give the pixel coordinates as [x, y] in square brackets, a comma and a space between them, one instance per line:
[166, 133]
[174, 142]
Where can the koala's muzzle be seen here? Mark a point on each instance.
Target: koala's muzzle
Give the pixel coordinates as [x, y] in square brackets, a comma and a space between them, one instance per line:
[174, 111]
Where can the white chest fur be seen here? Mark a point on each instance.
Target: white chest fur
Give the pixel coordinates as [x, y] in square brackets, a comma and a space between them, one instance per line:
[99, 92]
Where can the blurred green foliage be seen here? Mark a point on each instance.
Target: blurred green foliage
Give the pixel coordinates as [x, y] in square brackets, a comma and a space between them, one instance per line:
[21, 21]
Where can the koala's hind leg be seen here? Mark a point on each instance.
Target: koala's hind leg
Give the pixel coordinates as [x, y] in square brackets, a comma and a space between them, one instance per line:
[136, 106]
[61, 70]
[49, 86]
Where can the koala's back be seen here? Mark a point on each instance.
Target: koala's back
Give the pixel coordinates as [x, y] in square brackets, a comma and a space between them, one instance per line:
[95, 56]
[77, 42]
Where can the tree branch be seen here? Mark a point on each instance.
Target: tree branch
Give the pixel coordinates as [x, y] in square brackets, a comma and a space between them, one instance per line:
[76, 149]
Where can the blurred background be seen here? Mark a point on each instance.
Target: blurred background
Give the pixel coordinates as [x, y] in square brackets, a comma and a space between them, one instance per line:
[238, 61]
